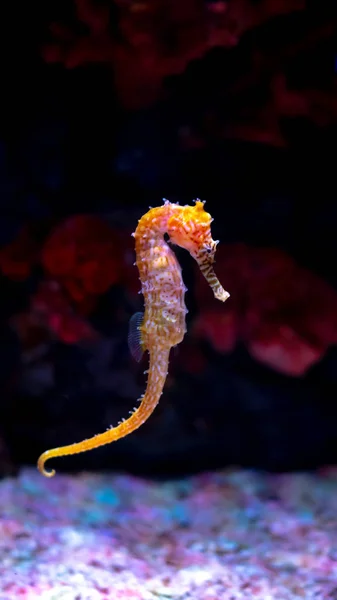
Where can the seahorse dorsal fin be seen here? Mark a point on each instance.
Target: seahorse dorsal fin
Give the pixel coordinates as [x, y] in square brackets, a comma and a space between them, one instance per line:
[135, 339]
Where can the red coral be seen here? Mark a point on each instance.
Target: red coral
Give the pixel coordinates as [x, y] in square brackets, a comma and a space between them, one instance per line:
[51, 309]
[82, 258]
[286, 315]
[159, 38]
[82, 253]
[220, 329]
[282, 349]
[18, 258]
[263, 126]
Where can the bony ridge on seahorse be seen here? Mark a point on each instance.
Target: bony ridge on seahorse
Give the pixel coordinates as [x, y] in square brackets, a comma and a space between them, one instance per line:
[162, 325]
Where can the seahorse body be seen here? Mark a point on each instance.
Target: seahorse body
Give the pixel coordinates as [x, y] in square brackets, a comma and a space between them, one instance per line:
[163, 324]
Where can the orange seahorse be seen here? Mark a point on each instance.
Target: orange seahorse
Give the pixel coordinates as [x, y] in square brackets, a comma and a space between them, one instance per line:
[162, 325]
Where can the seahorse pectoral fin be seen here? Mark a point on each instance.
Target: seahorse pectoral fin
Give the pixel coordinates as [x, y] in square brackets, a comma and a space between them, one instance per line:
[135, 337]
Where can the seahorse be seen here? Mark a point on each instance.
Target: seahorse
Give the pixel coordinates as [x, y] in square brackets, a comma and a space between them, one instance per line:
[162, 325]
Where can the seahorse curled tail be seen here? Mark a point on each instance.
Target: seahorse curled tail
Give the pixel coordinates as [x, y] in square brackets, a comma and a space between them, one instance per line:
[158, 367]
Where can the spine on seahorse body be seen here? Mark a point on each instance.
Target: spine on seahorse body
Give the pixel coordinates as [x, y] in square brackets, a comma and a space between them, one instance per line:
[158, 367]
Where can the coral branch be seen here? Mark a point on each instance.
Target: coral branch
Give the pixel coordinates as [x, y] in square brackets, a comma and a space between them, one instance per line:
[156, 39]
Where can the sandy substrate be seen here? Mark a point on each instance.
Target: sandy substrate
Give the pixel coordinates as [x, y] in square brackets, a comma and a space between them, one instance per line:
[222, 536]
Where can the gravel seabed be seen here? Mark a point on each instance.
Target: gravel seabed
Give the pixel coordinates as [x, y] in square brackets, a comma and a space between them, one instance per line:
[217, 536]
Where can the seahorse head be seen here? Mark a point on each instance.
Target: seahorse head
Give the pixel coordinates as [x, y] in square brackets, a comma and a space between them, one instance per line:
[190, 228]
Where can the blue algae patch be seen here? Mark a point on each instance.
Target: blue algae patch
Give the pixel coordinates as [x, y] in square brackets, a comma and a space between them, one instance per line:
[180, 515]
[306, 516]
[107, 496]
[31, 485]
[227, 545]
